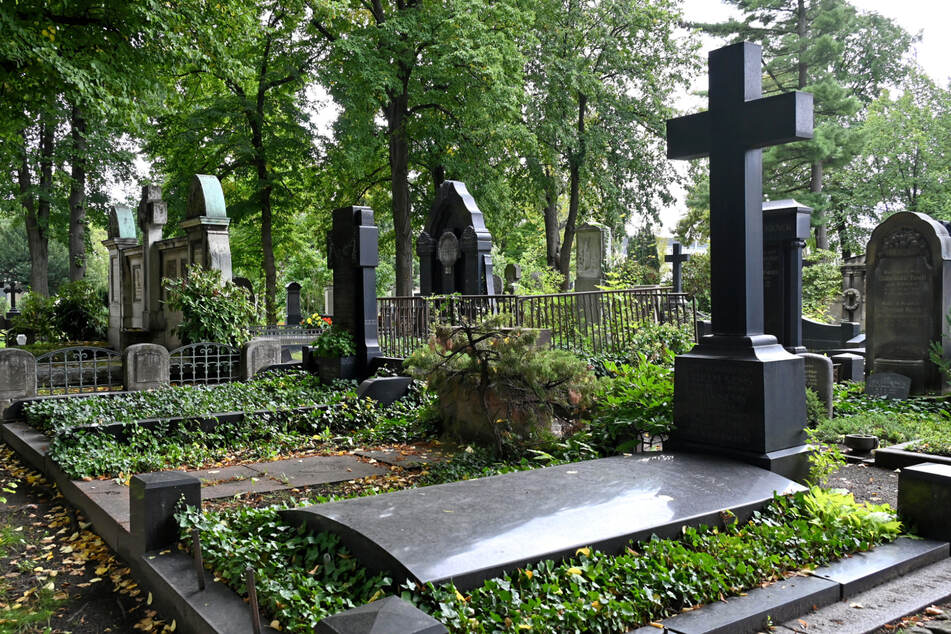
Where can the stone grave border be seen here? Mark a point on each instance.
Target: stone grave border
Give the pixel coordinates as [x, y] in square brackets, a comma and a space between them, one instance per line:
[169, 574]
[897, 457]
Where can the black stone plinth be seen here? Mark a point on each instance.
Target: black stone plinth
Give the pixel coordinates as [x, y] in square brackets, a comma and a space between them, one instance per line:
[851, 366]
[153, 501]
[743, 397]
[924, 499]
[472, 530]
[390, 615]
[385, 389]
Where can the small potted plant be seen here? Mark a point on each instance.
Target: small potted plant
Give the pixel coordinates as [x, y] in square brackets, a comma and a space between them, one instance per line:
[336, 354]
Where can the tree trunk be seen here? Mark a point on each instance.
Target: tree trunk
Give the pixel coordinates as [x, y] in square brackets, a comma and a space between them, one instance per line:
[815, 186]
[399, 184]
[552, 236]
[267, 248]
[575, 162]
[37, 226]
[439, 177]
[77, 197]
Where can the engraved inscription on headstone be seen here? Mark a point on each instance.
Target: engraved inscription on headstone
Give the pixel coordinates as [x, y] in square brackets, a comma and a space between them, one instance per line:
[137, 289]
[148, 367]
[819, 371]
[908, 297]
[888, 384]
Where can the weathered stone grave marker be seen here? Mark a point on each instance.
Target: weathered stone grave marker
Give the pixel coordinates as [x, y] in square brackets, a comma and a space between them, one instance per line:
[889, 385]
[676, 257]
[738, 392]
[819, 378]
[590, 251]
[455, 248]
[513, 273]
[909, 295]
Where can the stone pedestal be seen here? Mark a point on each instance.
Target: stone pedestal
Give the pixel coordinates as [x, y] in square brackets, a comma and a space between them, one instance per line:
[851, 366]
[738, 397]
[145, 366]
[924, 499]
[153, 501]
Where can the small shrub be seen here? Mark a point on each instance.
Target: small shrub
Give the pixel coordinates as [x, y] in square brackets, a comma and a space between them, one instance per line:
[497, 387]
[334, 342]
[37, 320]
[660, 343]
[696, 280]
[211, 310]
[815, 410]
[80, 313]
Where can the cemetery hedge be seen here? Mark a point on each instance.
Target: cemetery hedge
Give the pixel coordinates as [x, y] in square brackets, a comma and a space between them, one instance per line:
[304, 577]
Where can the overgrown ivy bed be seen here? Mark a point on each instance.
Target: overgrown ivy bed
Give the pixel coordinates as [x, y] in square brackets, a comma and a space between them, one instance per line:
[304, 577]
[270, 391]
[924, 420]
[346, 421]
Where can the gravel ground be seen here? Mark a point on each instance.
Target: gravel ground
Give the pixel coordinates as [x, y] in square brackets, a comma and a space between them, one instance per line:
[867, 483]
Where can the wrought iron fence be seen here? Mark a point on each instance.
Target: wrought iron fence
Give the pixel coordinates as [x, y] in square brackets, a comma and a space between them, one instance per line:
[78, 369]
[204, 363]
[291, 338]
[595, 321]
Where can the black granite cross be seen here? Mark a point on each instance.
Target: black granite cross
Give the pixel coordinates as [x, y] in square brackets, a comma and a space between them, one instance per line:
[738, 123]
[677, 258]
[12, 288]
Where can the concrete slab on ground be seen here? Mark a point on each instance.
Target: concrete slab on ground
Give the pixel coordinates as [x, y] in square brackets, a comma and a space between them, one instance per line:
[408, 458]
[304, 472]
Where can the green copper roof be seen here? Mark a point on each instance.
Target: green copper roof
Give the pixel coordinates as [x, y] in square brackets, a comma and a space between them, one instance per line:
[206, 197]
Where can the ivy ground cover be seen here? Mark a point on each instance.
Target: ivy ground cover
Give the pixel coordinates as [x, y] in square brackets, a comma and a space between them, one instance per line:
[305, 577]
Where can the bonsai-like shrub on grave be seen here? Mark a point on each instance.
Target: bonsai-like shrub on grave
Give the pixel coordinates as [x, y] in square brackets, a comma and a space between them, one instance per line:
[498, 388]
[211, 310]
[336, 354]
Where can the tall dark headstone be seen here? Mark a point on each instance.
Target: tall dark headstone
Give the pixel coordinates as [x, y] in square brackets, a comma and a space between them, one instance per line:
[513, 273]
[455, 248]
[785, 229]
[676, 257]
[353, 254]
[908, 263]
[293, 304]
[738, 393]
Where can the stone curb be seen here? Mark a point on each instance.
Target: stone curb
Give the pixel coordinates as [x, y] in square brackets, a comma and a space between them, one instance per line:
[795, 596]
[896, 457]
[168, 575]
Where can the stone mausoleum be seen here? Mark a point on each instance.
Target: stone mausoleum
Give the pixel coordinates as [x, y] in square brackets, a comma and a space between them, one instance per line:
[138, 268]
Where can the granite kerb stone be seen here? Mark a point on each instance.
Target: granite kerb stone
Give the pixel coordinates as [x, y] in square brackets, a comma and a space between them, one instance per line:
[170, 576]
[897, 457]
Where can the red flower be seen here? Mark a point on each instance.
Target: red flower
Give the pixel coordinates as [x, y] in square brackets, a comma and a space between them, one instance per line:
[328, 320]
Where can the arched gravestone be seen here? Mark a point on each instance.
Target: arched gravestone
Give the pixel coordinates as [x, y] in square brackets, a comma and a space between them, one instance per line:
[293, 304]
[909, 294]
[455, 247]
[206, 225]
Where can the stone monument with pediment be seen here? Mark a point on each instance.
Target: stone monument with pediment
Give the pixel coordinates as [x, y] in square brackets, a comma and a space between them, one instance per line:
[455, 247]
[908, 262]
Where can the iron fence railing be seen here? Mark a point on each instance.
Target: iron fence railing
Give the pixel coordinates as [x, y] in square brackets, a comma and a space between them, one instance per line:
[204, 363]
[594, 321]
[78, 369]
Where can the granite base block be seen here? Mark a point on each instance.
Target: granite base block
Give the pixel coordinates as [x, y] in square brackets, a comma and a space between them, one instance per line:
[153, 501]
[924, 499]
[390, 615]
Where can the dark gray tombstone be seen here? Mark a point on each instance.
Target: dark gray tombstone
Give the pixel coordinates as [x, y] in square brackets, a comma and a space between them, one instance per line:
[12, 290]
[676, 257]
[590, 252]
[924, 499]
[513, 273]
[245, 283]
[738, 392]
[455, 247]
[820, 337]
[353, 255]
[909, 295]
[888, 384]
[390, 615]
[497, 281]
[851, 367]
[785, 229]
[819, 378]
[293, 304]
[385, 390]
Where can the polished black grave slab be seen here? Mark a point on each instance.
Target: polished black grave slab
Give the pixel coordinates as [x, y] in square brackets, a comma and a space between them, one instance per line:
[472, 530]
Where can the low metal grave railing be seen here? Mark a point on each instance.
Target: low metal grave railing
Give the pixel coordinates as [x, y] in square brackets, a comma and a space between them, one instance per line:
[204, 363]
[595, 321]
[78, 369]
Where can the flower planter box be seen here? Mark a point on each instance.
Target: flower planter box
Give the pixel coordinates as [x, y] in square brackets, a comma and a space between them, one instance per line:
[330, 368]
